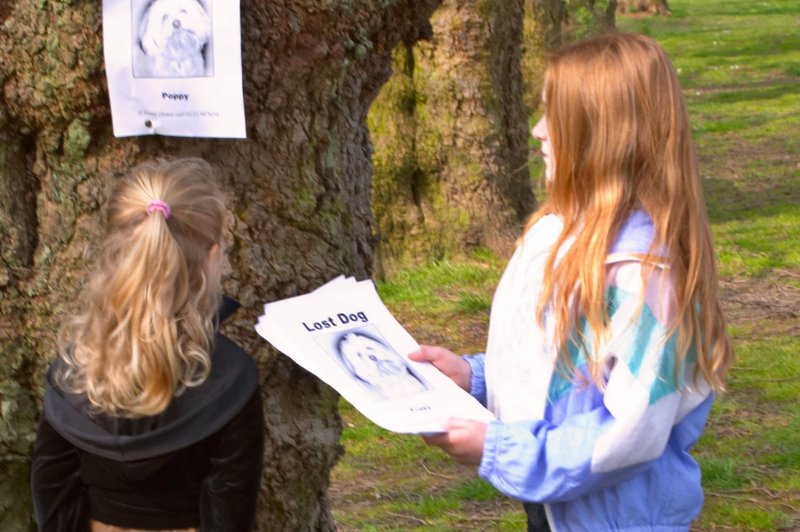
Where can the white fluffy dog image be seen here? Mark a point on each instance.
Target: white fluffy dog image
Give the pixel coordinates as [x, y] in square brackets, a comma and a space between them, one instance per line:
[378, 366]
[173, 35]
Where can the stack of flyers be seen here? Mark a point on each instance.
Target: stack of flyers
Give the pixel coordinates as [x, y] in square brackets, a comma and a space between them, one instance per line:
[343, 334]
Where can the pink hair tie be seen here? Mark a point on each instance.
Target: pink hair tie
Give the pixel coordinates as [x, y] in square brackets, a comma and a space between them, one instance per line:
[158, 205]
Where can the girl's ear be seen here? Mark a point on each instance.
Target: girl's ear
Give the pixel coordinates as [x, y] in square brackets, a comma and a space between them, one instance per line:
[214, 252]
[214, 261]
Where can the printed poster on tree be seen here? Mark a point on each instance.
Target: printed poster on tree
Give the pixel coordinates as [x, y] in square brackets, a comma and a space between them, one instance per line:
[174, 67]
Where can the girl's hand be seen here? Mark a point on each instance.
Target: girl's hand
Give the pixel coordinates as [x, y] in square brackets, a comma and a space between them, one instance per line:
[447, 362]
[463, 440]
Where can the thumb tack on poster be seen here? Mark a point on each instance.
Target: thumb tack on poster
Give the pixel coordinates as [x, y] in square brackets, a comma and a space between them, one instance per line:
[174, 67]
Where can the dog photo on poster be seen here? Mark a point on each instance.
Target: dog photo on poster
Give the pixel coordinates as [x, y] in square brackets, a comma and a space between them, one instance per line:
[174, 68]
[171, 39]
[371, 362]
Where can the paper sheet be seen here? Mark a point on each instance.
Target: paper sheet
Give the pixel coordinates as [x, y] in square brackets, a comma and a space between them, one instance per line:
[174, 67]
[343, 334]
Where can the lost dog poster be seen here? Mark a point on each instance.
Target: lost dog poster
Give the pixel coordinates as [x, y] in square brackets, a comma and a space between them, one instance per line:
[174, 67]
[343, 334]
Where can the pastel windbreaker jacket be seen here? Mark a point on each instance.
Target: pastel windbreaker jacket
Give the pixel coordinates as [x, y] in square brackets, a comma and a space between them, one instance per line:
[616, 459]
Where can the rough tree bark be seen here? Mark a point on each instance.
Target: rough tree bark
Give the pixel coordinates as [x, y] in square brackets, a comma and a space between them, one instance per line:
[299, 189]
[553, 15]
[450, 136]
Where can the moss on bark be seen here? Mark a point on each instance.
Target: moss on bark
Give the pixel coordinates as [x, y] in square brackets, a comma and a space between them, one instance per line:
[450, 132]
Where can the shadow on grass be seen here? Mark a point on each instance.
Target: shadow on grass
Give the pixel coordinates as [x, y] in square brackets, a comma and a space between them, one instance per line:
[757, 91]
[727, 201]
[766, 45]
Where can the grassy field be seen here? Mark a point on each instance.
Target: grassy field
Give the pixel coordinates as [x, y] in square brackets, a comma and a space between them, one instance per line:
[739, 62]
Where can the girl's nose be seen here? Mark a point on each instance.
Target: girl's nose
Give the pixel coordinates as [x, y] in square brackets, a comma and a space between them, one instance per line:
[539, 131]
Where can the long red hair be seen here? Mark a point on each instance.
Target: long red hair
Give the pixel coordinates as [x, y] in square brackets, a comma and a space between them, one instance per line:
[620, 134]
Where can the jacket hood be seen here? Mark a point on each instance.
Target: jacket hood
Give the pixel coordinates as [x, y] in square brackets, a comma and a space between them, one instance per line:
[191, 417]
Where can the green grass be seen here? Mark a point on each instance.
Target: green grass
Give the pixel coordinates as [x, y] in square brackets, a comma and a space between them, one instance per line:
[739, 63]
[750, 456]
[396, 482]
[760, 242]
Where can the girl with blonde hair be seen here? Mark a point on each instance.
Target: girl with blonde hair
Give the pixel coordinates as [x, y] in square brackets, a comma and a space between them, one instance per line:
[152, 419]
[606, 339]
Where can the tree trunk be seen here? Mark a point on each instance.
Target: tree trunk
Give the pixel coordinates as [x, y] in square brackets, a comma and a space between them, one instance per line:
[652, 7]
[450, 136]
[553, 15]
[541, 33]
[299, 190]
[564, 23]
[547, 26]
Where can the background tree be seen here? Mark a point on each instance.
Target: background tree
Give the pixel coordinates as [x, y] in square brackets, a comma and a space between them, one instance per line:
[450, 128]
[541, 32]
[299, 187]
[652, 7]
[551, 24]
[565, 21]
[450, 137]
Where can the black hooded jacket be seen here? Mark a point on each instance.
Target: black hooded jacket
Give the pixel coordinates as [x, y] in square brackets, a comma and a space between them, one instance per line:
[197, 464]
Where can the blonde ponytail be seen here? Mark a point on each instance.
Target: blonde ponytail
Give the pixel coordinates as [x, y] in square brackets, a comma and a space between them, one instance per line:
[146, 331]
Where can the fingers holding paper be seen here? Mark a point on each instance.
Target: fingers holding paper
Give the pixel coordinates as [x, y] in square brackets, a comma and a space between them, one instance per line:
[447, 362]
[463, 440]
